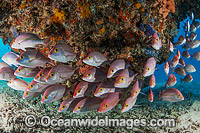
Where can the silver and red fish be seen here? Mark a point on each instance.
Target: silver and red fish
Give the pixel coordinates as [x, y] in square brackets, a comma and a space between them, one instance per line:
[32, 58]
[190, 68]
[60, 73]
[178, 54]
[62, 53]
[115, 67]
[125, 78]
[196, 56]
[136, 88]
[29, 95]
[84, 89]
[26, 72]
[94, 75]
[53, 93]
[28, 40]
[189, 45]
[185, 54]
[6, 72]
[171, 47]
[69, 104]
[18, 84]
[166, 68]
[109, 102]
[10, 59]
[149, 67]
[181, 40]
[37, 86]
[197, 43]
[180, 71]
[171, 81]
[188, 78]
[42, 74]
[193, 28]
[156, 41]
[150, 95]
[95, 59]
[88, 104]
[128, 104]
[181, 62]
[174, 62]
[152, 81]
[171, 95]
[193, 36]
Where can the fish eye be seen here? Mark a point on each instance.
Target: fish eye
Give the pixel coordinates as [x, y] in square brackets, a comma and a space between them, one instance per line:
[121, 79]
[112, 71]
[22, 57]
[27, 93]
[89, 57]
[45, 97]
[31, 86]
[179, 95]
[41, 74]
[88, 74]
[63, 106]
[101, 89]
[52, 74]
[79, 107]
[105, 106]
[56, 50]
[148, 68]
[19, 69]
[172, 78]
[10, 82]
[126, 105]
[78, 91]
[135, 91]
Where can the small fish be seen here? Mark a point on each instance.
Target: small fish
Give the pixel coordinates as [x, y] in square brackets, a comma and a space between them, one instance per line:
[152, 81]
[197, 43]
[125, 78]
[150, 95]
[84, 89]
[196, 24]
[196, 56]
[193, 28]
[53, 93]
[69, 104]
[128, 104]
[179, 71]
[115, 67]
[136, 89]
[189, 45]
[190, 68]
[171, 81]
[10, 59]
[32, 58]
[109, 102]
[95, 59]
[105, 88]
[37, 86]
[88, 104]
[193, 36]
[185, 54]
[29, 95]
[7, 73]
[156, 41]
[174, 62]
[178, 54]
[188, 78]
[192, 15]
[181, 62]
[166, 68]
[18, 84]
[26, 71]
[42, 74]
[171, 95]
[149, 67]
[171, 47]
[28, 40]
[62, 53]
[94, 75]
[188, 26]
[60, 73]
[181, 40]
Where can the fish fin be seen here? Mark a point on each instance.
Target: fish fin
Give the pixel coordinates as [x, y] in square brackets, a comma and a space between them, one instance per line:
[143, 93]
[137, 105]
[159, 97]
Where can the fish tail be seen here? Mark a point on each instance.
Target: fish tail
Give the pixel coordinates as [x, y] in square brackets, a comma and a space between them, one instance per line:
[159, 95]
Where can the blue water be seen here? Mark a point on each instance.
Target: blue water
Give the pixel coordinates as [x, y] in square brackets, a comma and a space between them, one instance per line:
[4, 49]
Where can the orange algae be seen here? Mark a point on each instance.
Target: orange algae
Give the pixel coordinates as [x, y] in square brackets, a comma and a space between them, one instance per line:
[138, 5]
[84, 9]
[58, 16]
[102, 30]
[23, 5]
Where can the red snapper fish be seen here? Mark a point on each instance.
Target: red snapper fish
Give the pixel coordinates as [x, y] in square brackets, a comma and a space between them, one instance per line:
[95, 59]
[10, 59]
[196, 56]
[190, 68]
[62, 53]
[171, 81]
[32, 58]
[156, 41]
[136, 88]
[18, 84]
[175, 61]
[109, 102]
[28, 40]
[188, 78]
[94, 75]
[29, 95]
[185, 54]
[171, 95]
[42, 74]
[171, 47]
[181, 40]
[26, 72]
[149, 67]
[6, 73]
[59, 73]
[152, 81]
[166, 68]
[88, 104]
[125, 78]
[128, 104]
[35, 86]
[150, 95]
[53, 93]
